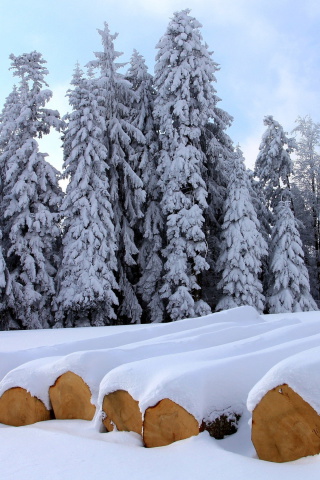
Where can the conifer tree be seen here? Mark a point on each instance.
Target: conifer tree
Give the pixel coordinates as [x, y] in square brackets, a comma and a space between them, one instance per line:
[273, 165]
[9, 114]
[31, 195]
[218, 149]
[6, 322]
[87, 283]
[289, 289]
[151, 225]
[307, 195]
[3, 283]
[115, 96]
[184, 105]
[242, 244]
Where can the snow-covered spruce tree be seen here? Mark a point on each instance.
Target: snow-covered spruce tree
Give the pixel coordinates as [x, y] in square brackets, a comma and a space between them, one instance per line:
[4, 323]
[31, 196]
[151, 225]
[86, 294]
[273, 165]
[242, 244]
[289, 289]
[9, 114]
[115, 95]
[8, 144]
[306, 195]
[218, 149]
[5, 291]
[184, 105]
[265, 217]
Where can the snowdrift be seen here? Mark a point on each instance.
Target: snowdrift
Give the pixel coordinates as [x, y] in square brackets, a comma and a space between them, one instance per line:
[173, 381]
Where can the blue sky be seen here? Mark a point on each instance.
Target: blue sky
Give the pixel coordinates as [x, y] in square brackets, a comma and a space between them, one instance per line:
[268, 51]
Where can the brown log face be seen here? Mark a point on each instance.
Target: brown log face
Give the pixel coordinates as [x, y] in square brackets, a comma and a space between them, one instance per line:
[122, 411]
[167, 422]
[18, 407]
[70, 397]
[285, 427]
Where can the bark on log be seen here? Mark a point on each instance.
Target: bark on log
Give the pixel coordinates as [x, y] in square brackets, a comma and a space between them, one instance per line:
[285, 427]
[18, 407]
[122, 411]
[70, 398]
[166, 423]
[222, 426]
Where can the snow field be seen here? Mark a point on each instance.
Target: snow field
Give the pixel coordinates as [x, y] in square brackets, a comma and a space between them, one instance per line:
[207, 365]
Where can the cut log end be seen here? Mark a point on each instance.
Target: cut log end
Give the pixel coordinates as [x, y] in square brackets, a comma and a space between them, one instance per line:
[285, 427]
[122, 411]
[167, 422]
[18, 408]
[70, 398]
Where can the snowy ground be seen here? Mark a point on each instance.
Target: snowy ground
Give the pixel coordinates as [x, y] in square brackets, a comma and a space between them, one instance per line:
[239, 343]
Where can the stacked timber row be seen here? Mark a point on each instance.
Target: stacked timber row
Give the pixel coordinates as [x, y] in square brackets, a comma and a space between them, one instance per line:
[70, 398]
[162, 424]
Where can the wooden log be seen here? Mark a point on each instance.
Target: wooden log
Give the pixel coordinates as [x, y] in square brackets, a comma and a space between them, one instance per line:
[284, 426]
[18, 407]
[167, 422]
[122, 411]
[70, 398]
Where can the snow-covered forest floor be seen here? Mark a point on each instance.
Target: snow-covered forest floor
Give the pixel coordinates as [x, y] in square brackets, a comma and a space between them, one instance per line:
[243, 343]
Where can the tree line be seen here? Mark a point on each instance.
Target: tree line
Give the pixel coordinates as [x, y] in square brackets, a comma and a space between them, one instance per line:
[160, 219]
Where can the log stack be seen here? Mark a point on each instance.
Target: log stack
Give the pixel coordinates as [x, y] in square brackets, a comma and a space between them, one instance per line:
[70, 397]
[162, 424]
[284, 426]
[18, 408]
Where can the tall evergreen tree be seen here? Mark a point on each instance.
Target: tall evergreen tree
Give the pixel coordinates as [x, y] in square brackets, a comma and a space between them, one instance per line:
[8, 117]
[31, 196]
[218, 150]
[289, 289]
[87, 283]
[3, 285]
[307, 195]
[185, 103]
[265, 217]
[115, 95]
[151, 225]
[242, 244]
[274, 165]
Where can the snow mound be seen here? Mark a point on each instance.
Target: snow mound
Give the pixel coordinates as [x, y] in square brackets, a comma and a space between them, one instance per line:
[300, 372]
[210, 380]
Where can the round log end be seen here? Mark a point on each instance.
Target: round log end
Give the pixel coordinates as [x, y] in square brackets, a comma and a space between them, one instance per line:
[18, 407]
[70, 398]
[123, 411]
[285, 427]
[167, 422]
